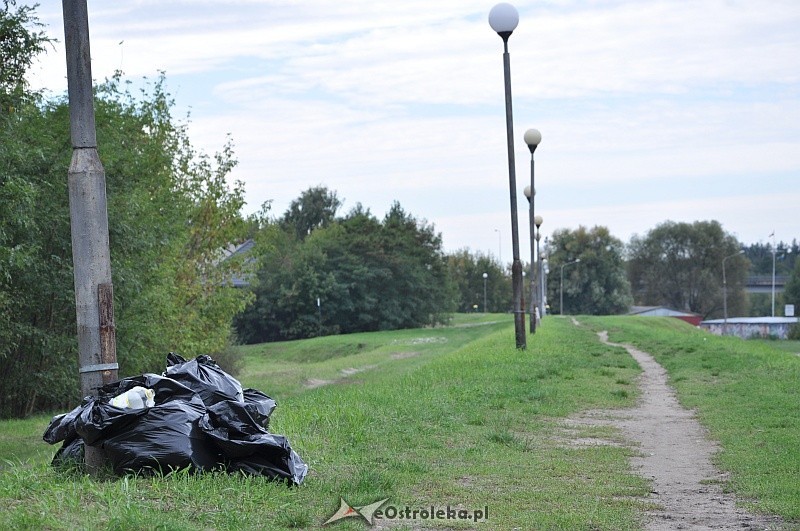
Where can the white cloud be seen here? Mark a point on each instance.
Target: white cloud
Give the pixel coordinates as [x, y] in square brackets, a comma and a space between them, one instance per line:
[404, 100]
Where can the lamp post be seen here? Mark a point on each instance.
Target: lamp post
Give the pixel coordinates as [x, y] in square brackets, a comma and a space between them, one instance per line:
[543, 281]
[725, 291]
[530, 193]
[503, 18]
[561, 285]
[319, 315]
[537, 221]
[532, 138]
[774, 250]
[485, 276]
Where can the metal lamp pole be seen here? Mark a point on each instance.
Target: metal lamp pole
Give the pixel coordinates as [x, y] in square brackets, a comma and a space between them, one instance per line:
[561, 285]
[774, 251]
[532, 138]
[485, 276]
[537, 221]
[503, 18]
[725, 291]
[529, 195]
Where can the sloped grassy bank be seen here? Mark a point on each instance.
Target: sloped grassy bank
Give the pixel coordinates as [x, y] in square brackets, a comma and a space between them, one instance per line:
[444, 417]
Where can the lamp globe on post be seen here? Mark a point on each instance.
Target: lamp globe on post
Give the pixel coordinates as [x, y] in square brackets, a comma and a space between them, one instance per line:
[485, 276]
[503, 18]
[532, 138]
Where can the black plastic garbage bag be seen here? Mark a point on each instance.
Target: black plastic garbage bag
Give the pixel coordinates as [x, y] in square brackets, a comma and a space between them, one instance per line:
[70, 453]
[249, 448]
[203, 376]
[163, 437]
[62, 427]
[260, 406]
[201, 418]
[99, 419]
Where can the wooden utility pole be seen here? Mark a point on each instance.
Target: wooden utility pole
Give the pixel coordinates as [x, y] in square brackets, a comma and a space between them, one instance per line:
[88, 220]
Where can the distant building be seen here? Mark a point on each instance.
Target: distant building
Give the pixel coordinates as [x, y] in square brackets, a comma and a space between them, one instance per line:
[749, 327]
[663, 311]
[242, 249]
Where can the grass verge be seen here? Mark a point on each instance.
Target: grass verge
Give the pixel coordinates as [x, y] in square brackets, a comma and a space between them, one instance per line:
[452, 416]
[745, 392]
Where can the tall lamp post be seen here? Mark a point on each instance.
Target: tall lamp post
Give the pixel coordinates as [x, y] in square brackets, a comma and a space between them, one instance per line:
[537, 221]
[530, 193]
[503, 18]
[774, 250]
[532, 138]
[485, 276]
[725, 291]
[561, 285]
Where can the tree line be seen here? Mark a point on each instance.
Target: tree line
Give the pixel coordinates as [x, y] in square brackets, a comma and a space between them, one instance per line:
[312, 270]
[170, 209]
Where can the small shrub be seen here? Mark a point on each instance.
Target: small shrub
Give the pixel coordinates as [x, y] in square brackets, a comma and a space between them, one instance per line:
[230, 359]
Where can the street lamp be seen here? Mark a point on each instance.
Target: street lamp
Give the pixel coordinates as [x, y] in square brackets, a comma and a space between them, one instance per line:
[503, 18]
[539, 284]
[725, 291]
[485, 276]
[532, 138]
[529, 195]
[561, 285]
[773, 272]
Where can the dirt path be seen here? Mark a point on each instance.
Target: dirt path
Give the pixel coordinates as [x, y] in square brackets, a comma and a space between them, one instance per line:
[675, 454]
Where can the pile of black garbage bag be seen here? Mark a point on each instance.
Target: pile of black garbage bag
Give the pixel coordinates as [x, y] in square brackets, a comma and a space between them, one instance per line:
[194, 416]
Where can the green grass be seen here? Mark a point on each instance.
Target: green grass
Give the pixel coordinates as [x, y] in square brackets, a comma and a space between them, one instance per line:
[786, 346]
[747, 393]
[441, 416]
[450, 416]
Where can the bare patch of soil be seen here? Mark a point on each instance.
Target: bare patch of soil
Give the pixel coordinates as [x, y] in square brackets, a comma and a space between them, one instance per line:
[403, 355]
[674, 453]
[313, 383]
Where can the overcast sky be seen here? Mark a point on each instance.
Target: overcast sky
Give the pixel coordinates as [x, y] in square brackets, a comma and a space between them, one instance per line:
[649, 110]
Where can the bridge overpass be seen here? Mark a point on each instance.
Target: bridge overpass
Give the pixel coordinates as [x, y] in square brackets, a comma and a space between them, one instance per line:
[763, 283]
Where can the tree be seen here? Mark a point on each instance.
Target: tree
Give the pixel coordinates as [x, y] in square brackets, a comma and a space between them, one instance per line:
[791, 292]
[420, 288]
[598, 285]
[679, 265]
[315, 208]
[366, 274]
[20, 43]
[170, 212]
[466, 271]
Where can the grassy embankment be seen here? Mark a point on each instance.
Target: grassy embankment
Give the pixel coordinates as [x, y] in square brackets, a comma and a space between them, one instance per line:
[448, 416]
[433, 417]
[747, 393]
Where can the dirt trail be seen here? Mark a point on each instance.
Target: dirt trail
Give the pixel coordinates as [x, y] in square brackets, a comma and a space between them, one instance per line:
[676, 455]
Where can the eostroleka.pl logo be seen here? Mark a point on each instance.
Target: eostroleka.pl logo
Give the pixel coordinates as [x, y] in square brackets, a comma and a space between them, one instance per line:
[366, 511]
[377, 511]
